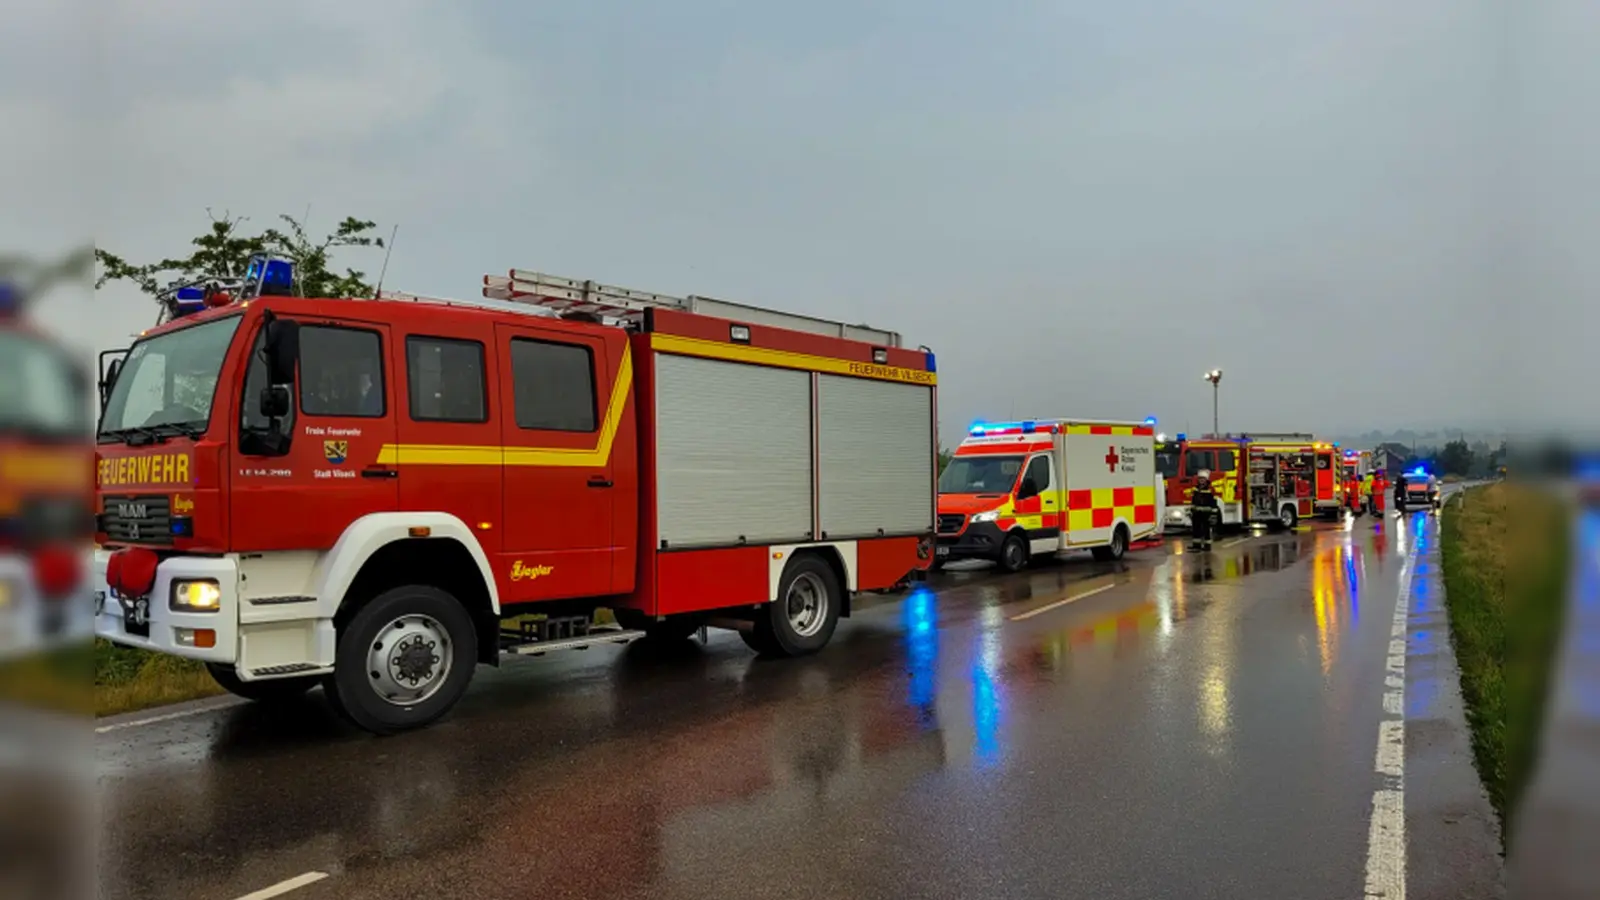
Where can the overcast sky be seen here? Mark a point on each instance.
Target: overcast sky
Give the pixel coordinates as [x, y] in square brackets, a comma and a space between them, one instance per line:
[1080, 206]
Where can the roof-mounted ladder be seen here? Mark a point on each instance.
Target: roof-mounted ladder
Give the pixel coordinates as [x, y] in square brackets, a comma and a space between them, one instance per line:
[570, 296]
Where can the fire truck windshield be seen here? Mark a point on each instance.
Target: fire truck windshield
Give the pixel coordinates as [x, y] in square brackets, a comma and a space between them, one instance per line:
[980, 475]
[168, 382]
[42, 394]
[1167, 460]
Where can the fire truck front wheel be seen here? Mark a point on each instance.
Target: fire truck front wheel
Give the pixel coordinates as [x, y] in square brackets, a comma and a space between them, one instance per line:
[803, 618]
[404, 659]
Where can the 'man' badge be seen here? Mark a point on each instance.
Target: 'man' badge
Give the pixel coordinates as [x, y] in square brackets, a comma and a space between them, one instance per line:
[335, 451]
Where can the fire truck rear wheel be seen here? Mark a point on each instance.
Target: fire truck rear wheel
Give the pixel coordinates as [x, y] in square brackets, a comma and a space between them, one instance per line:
[271, 690]
[403, 660]
[1014, 553]
[806, 613]
[1288, 518]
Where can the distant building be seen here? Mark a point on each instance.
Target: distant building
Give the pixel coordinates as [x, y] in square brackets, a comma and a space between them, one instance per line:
[1391, 458]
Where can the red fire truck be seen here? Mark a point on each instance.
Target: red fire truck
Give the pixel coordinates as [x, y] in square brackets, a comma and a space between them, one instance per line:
[1355, 466]
[45, 493]
[1277, 479]
[364, 493]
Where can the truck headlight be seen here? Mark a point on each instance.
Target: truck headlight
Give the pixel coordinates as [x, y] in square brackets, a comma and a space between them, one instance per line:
[195, 596]
[990, 516]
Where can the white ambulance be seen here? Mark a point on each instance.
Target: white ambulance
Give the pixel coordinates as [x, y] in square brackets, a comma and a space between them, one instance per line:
[1017, 490]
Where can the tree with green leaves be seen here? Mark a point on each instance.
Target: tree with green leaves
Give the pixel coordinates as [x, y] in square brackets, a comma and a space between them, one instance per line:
[223, 252]
[1456, 458]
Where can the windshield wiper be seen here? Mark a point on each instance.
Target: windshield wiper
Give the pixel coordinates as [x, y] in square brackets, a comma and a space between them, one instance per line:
[140, 435]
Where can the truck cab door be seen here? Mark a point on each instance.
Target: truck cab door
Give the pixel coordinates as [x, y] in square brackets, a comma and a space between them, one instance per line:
[341, 416]
[561, 483]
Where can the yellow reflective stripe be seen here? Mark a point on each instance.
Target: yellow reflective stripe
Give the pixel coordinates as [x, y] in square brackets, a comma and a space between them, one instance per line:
[784, 359]
[547, 457]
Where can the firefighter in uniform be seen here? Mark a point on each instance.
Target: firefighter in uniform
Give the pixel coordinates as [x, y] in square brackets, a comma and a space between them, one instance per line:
[1202, 512]
[1366, 492]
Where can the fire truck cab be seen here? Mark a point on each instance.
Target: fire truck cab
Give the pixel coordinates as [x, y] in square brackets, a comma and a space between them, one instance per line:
[378, 495]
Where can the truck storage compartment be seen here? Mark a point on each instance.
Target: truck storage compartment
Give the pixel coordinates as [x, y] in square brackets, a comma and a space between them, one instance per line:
[875, 442]
[733, 453]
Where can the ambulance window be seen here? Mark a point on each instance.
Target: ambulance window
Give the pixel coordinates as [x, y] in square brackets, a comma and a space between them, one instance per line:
[446, 380]
[1225, 460]
[341, 372]
[1039, 471]
[553, 385]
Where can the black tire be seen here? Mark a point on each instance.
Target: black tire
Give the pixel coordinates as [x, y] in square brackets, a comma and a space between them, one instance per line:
[804, 617]
[1013, 553]
[353, 689]
[1288, 518]
[1116, 549]
[272, 690]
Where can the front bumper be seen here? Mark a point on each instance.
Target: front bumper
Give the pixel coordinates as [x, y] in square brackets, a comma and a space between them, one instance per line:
[111, 623]
[979, 540]
[1421, 499]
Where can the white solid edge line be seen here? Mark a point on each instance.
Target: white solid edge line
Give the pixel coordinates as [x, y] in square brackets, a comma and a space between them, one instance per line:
[1062, 602]
[1386, 832]
[284, 887]
[167, 717]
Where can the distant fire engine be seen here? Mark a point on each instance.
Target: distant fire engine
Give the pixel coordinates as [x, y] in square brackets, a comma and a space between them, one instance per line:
[360, 493]
[1355, 466]
[1018, 490]
[45, 492]
[1274, 479]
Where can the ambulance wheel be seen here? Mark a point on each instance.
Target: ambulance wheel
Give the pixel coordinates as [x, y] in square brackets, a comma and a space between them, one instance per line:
[803, 618]
[1013, 553]
[1114, 550]
[271, 690]
[403, 660]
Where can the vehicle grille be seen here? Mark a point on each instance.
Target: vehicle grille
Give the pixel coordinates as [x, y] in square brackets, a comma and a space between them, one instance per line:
[950, 523]
[142, 520]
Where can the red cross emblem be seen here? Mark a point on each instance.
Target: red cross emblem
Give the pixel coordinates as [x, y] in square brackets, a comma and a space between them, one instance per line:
[1112, 459]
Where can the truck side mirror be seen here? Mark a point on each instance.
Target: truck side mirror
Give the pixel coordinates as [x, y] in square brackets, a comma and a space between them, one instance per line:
[109, 381]
[275, 401]
[282, 350]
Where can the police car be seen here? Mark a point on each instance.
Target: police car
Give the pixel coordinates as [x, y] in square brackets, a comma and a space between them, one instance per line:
[1417, 489]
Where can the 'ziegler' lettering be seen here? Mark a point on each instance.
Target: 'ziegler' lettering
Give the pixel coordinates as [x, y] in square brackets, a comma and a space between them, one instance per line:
[166, 468]
[520, 572]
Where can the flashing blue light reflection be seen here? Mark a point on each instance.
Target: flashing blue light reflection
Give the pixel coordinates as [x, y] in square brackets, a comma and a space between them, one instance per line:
[985, 717]
[921, 618]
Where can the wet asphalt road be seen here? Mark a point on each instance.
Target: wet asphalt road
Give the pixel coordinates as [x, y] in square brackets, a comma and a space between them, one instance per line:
[1194, 725]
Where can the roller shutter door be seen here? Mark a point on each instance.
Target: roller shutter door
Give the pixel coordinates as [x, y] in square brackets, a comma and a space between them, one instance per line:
[876, 442]
[733, 453]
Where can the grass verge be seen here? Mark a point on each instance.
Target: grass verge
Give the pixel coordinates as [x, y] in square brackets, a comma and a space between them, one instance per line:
[127, 679]
[1504, 552]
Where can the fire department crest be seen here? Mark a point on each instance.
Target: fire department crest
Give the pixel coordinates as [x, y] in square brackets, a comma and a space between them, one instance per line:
[336, 451]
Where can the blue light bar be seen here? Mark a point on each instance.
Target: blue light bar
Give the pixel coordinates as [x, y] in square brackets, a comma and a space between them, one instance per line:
[1029, 427]
[278, 274]
[933, 364]
[1150, 420]
[1182, 436]
[976, 429]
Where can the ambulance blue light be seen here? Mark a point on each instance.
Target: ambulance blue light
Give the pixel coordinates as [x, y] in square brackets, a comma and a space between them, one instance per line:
[1150, 420]
[976, 429]
[1029, 427]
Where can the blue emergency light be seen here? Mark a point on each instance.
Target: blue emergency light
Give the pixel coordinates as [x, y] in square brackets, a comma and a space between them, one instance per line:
[269, 276]
[10, 299]
[1150, 420]
[1029, 427]
[189, 300]
[1182, 436]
